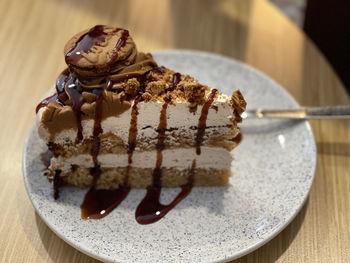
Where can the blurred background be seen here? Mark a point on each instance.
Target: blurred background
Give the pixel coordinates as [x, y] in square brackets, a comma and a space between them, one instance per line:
[327, 23]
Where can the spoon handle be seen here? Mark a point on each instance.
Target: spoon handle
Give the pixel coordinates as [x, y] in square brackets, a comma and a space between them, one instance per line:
[326, 112]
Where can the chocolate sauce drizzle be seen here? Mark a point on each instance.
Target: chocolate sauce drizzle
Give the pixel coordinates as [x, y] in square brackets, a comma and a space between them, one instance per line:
[96, 136]
[60, 94]
[96, 202]
[132, 138]
[158, 70]
[74, 91]
[176, 80]
[96, 171]
[121, 43]
[93, 37]
[57, 183]
[150, 209]
[203, 120]
[67, 87]
[46, 101]
[238, 138]
[108, 85]
[99, 202]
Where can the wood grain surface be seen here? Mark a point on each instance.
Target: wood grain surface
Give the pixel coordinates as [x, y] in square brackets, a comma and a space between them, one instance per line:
[32, 36]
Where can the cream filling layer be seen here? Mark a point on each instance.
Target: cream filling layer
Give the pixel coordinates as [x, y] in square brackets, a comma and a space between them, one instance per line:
[210, 157]
[178, 116]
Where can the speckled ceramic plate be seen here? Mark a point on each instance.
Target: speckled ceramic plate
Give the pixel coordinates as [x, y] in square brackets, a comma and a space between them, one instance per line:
[274, 170]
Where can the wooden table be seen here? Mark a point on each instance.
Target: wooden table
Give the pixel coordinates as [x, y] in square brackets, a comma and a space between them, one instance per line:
[32, 36]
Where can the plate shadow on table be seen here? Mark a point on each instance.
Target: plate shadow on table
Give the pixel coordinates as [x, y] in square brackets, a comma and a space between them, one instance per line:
[275, 248]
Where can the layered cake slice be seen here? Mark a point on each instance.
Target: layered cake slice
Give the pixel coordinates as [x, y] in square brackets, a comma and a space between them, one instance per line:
[118, 120]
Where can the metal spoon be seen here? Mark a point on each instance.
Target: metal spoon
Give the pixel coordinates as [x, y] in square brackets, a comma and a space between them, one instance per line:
[326, 112]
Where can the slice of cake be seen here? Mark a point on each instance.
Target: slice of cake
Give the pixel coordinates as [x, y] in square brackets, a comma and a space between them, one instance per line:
[117, 120]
